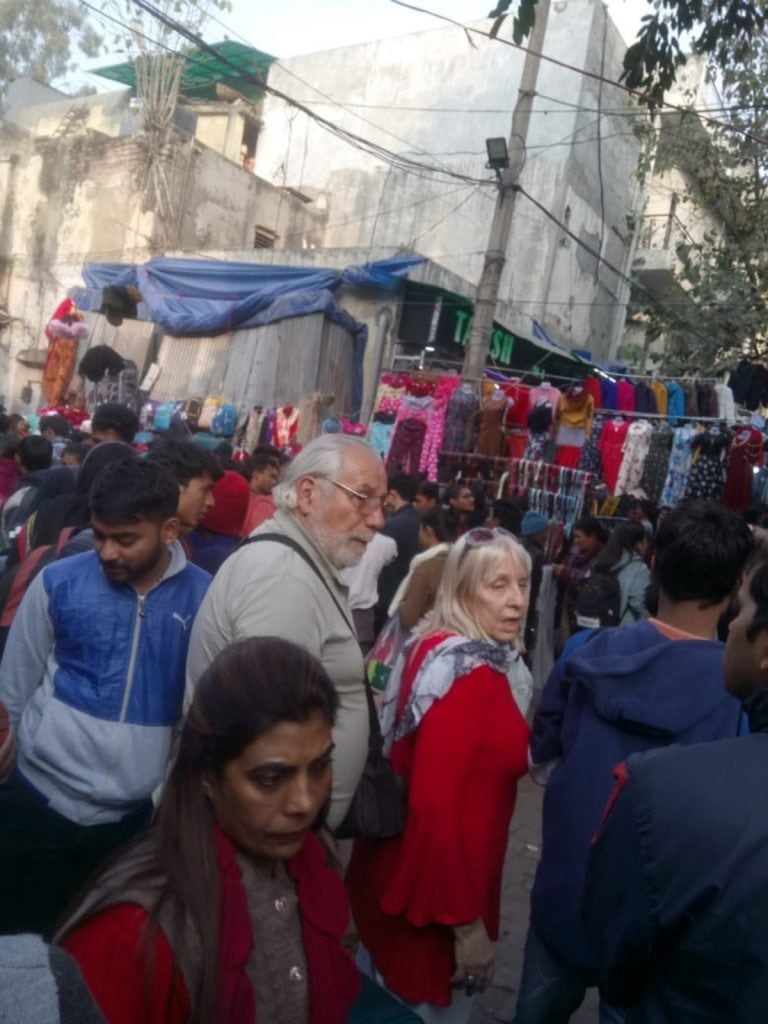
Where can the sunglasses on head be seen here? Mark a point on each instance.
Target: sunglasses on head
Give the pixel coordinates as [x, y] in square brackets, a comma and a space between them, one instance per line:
[479, 535]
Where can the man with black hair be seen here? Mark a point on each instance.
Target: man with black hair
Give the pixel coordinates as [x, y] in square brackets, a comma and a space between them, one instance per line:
[195, 470]
[114, 422]
[628, 689]
[403, 525]
[33, 457]
[676, 896]
[58, 431]
[262, 470]
[93, 680]
[427, 497]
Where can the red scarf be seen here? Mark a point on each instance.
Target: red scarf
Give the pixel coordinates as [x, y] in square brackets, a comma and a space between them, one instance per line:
[334, 981]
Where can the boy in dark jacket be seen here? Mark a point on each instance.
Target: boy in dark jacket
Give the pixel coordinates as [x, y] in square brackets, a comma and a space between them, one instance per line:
[627, 690]
[676, 897]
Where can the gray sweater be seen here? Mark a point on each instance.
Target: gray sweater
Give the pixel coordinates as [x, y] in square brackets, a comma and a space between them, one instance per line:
[268, 590]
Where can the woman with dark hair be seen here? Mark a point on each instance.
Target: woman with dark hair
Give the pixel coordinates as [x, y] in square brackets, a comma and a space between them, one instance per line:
[415, 596]
[226, 909]
[461, 504]
[588, 537]
[624, 557]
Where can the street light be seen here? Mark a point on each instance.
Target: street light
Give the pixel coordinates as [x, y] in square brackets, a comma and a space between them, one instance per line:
[498, 154]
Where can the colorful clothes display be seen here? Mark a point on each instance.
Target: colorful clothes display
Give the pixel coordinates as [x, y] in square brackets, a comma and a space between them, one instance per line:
[679, 466]
[635, 451]
[462, 406]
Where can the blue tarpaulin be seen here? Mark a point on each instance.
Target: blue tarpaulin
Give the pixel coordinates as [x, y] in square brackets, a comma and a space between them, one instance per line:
[205, 297]
[188, 297]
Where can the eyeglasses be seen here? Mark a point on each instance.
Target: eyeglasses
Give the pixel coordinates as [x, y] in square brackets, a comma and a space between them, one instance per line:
[368, 502]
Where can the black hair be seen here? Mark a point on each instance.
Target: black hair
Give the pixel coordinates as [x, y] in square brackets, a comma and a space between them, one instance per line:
[117, 417]
[701, 550]
[624, 538]
[272, 451]
[184, 460]
[259, 462]
[509, 514]
[58, 424]
[80, 451]
[758, 591]
[439, 524]
[9, 445]
[132, 490]
[5, 423]
[403, 484]
[592, 527]
[35, 453]
[455, 490]
[428, 490]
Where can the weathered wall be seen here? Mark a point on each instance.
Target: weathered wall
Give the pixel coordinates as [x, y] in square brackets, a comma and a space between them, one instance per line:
[434, 96]
[66, 202]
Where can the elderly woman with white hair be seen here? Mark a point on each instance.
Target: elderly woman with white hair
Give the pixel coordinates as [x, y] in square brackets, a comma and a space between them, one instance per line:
[427, 903]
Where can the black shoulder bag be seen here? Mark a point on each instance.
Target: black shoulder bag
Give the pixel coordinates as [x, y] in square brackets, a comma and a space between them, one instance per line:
[378, 807]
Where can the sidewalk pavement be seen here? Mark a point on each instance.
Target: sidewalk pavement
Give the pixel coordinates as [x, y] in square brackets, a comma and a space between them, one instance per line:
[498, 1003]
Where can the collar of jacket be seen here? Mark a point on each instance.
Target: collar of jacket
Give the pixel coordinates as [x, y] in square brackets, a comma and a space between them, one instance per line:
[756, 708]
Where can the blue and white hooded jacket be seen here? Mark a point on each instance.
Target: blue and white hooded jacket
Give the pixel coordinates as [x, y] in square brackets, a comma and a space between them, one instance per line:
[93, 679]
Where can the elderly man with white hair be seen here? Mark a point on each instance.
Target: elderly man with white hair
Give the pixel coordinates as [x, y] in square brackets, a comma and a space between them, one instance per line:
[329, 505]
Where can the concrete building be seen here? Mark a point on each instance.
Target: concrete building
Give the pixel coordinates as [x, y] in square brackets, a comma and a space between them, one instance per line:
[73, 190]
[434, 97]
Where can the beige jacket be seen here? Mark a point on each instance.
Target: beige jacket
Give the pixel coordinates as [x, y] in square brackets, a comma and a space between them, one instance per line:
[268, 590]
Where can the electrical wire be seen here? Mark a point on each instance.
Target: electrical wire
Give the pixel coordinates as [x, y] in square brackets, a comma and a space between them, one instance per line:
[660, 105]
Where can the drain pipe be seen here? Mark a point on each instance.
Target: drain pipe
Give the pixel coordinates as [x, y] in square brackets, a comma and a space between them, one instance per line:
[384, 322]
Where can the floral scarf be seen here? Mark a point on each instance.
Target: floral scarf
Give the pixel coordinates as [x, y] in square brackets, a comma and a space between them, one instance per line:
[454, 657]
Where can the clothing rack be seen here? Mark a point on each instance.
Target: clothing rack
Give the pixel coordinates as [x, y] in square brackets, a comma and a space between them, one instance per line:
[659, 416]
[665, 376]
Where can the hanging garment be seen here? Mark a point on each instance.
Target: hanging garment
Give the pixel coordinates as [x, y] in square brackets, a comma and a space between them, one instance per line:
[657, 462]
[490, 439]
[676, 403]
[536, 448]
[645, 400]
[405, 447]
[625, 396]
[679, 466]
[380, 432]
[745, 452]
[661, 396]
[518, 404]
[589, 458]
[60, 360]
[707, 476]
[286, 425]
[462, 406]
[592, 384]
[267, 435]
[434, 439]
[726, 406]
[568, 455]
[707, 400]
[575, 410]
[545, 395]
[611, 444]
[609, 394]
[635, 452]
[540, 418]
[748, 385]
[691, 399]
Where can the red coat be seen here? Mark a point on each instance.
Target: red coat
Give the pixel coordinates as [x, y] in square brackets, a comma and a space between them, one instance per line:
[111, 951]
[462, 766]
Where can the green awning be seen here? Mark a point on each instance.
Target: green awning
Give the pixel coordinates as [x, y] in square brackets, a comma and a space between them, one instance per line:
[202, 71]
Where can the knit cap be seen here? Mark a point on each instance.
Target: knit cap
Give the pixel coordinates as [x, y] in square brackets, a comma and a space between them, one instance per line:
[533, 522]
[231, 495]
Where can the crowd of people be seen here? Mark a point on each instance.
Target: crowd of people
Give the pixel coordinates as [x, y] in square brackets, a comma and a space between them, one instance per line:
[203, 659]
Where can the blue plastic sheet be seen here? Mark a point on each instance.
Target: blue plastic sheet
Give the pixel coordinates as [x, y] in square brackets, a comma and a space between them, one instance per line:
[188, 297]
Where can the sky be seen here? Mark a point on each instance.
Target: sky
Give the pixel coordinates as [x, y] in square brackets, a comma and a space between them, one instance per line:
[302, 26]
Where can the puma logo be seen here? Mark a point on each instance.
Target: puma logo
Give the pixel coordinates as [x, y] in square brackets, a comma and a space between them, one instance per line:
[184, 620]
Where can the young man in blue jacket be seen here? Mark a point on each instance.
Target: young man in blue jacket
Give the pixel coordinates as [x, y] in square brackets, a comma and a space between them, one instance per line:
[676, 896]
[628, 689]
[93, 680]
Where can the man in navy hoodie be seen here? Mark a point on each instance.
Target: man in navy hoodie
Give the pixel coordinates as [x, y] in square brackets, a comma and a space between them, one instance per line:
[629, 689]
[676, 897]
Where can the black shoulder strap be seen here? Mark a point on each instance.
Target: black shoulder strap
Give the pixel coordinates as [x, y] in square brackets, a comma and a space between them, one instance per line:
[289, 542]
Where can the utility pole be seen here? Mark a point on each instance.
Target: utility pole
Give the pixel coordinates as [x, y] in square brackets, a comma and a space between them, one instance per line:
[498, 240]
